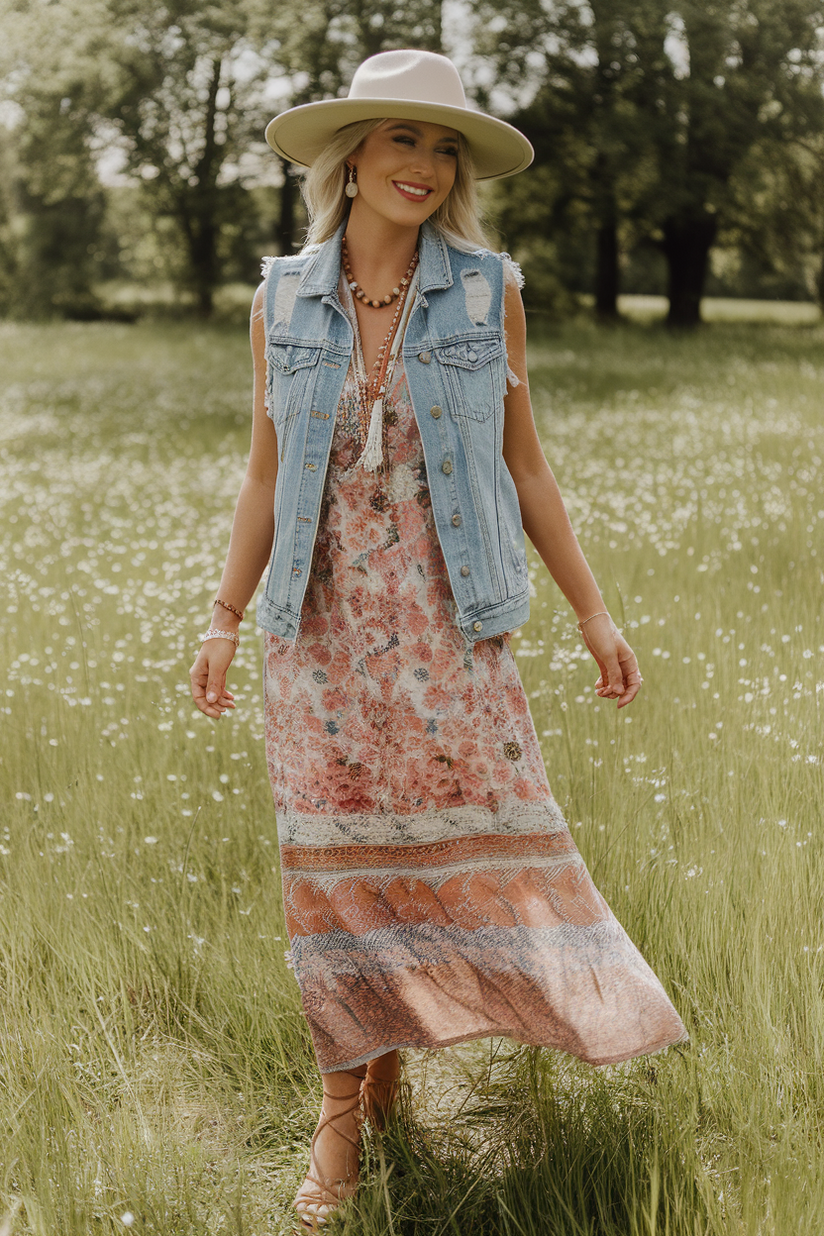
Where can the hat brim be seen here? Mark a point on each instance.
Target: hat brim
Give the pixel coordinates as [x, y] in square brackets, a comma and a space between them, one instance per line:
[302, 133]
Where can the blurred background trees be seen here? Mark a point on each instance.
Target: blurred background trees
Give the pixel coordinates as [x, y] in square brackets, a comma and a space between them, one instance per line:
[679, 147]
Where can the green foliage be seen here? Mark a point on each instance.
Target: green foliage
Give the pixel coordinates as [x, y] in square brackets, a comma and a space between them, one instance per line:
[657, 119]
[54, 210]
[180, 90]
[675, 128]
[153, 1056]
[184, 98]
[776, 217]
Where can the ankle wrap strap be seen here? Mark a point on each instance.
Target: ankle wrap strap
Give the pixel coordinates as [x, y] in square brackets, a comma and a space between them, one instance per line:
[354, 1095]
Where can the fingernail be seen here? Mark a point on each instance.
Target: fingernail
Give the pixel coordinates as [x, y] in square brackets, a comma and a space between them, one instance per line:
[211, 696]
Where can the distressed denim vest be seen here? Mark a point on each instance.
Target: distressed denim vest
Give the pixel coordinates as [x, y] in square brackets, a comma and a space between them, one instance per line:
[455, 360]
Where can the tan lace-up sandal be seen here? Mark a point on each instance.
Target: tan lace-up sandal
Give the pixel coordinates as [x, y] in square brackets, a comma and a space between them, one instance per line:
[317, 1198]
[380, 1091]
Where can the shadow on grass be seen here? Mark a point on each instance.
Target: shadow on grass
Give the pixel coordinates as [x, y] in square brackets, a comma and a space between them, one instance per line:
[547, 1147]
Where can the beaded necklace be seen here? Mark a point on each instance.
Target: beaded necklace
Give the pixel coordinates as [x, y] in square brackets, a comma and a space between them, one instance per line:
[372, 386]
[358, 290]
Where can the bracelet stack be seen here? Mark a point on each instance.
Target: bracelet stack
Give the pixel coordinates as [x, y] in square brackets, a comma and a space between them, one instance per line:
[214, 633]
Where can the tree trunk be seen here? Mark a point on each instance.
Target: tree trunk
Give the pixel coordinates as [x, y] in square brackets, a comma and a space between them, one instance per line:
[687, 244]
[286, 216]
[605, 168]
[606, 270]
[202, 232]
[437, 28]
[204, 263]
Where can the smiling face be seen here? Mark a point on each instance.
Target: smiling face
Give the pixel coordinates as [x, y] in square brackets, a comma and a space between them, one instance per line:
[405, 170]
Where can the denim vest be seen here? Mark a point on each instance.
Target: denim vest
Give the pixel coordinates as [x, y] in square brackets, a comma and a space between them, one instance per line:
[455, 361]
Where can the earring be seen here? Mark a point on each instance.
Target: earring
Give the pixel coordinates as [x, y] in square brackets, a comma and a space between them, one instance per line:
[351, 189]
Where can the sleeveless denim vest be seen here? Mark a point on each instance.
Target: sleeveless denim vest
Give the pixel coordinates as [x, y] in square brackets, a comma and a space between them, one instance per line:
[455, 360]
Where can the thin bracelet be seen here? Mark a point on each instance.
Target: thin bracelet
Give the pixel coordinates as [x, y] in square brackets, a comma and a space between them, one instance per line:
[214, 633]
[602, 613]
[231, 608]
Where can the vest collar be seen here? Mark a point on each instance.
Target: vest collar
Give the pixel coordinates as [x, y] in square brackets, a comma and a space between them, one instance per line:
[323, 271]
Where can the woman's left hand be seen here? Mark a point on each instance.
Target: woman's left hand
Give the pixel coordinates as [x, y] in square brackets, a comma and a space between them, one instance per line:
[620, 679]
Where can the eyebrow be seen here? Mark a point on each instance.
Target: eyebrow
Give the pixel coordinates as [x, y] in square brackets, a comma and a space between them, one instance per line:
[412, 128]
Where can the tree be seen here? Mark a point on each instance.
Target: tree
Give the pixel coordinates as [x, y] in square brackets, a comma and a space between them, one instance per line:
[52, 203]
[584, 118]
[62, 207]
[188, 97]
[776, 223]
[664, 101]
[751, 72]
[182, 89]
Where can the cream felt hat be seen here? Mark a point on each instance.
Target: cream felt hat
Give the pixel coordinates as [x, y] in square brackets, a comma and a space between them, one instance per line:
[402, 85]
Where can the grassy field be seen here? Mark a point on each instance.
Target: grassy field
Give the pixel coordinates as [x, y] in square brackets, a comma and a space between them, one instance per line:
[155, 1071]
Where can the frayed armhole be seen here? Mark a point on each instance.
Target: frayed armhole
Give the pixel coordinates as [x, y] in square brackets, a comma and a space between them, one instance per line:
[265, 268]
[512, 274]
[279, 308]
[512, 270]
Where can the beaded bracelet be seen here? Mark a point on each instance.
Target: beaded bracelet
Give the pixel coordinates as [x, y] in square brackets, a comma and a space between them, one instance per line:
[214, 633]
[231, 608]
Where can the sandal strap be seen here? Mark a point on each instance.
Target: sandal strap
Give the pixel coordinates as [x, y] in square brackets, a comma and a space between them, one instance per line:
[321, 1193]
[333, 1116]
[324, 1188]
[327, 1120]
[355, 1094]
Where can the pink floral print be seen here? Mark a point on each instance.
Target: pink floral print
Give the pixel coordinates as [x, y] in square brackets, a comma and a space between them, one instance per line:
[433, 892]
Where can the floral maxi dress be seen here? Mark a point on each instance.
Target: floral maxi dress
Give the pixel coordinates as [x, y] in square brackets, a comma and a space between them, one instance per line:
[432, 890]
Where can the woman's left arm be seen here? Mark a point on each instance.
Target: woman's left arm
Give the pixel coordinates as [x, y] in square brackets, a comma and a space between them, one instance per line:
[547, 524]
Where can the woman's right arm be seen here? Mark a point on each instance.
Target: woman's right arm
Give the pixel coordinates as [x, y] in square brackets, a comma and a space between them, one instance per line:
[251, 540]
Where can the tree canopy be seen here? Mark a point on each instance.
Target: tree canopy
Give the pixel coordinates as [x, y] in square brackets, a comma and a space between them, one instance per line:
[653, 112]
[658, 126]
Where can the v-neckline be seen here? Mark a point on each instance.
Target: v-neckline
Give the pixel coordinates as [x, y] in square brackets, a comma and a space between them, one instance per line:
[360, 360]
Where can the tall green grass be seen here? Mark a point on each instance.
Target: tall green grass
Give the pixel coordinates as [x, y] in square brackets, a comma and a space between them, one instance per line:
[155, 1071]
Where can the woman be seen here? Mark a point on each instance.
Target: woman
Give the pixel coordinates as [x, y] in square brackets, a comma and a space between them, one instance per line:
[433, 893]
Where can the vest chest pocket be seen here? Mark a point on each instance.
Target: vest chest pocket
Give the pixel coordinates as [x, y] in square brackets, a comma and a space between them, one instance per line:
[473, 371]
[291, 370]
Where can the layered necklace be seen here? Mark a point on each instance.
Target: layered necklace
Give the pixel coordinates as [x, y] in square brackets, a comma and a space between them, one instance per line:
[372, 386]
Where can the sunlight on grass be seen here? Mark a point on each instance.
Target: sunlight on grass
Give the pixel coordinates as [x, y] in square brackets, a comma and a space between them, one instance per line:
[154, 1059]
[726, 309]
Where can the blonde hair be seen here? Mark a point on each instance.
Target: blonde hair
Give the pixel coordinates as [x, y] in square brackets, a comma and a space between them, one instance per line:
[458, 217]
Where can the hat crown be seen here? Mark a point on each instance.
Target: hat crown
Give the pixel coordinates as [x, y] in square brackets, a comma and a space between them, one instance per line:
[408, 84]
[409, 76]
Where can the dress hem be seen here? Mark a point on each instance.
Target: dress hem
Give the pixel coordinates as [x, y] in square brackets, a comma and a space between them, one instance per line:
[655, 1048]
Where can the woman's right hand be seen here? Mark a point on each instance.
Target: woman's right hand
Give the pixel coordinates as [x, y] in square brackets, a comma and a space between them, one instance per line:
[208, 676]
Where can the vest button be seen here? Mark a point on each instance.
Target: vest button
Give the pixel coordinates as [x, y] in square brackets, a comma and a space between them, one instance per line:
[424, 357]
[312, 467]
[477, 626]
[436, 411]
[446, 466]
[464, 570]
[456, 519]
[472, 357]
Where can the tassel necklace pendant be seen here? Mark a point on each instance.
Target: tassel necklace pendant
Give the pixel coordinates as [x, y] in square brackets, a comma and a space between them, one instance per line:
[373, 386]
